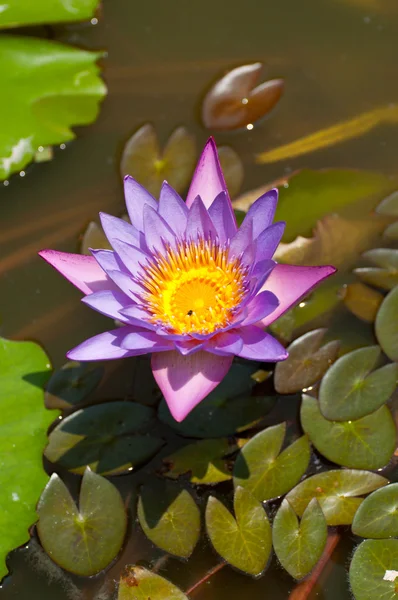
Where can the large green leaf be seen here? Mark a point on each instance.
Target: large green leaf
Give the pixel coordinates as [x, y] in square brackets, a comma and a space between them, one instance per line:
[377, 517]
[138, 583]
[24, 370]
[85, 540]
[16, 12]
[46, 89]
[267, 472]
[337, 492]
[387, 325]
[299, 546]
[374, 570]
[72, 384]
[244, 541]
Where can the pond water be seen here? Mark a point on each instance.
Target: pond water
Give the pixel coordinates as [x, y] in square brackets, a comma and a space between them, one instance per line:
[338, 59]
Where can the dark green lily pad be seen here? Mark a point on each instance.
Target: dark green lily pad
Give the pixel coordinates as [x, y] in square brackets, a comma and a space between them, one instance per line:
[138, 583]
[366, 443]
[169, 516]
[267, 472]
[15, 14]
[105, 437]
[72, 384]
[83, 541]
[232, 168]
[227, 409]
[306, 364]
[362, 300]
[350, 389]
[24, 371]
[386, 275]
[337, 492]
[386, 325]
[205, 461]
[143, 159]
[245, 540]
[373, 570]
[389, 206]
[299, 546]
[377, 517]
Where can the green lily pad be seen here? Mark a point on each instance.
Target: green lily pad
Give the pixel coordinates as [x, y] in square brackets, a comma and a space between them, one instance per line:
[386, 275]
[83, 541]
[24, 371]
[306, 364]
[15, 13]
[169, 516]
[104, 437]
[337, 492]
[299, 546]
[373, 570]
[47, 89]
[377, 517]
[227, 409]
[232, 168]
[267, 472]
[389, 206]
[366, 443]
[138, 583]
[362, 300]
[245, 541]
[72, 384]
[386, 325]
[350, 390]
[143, 159]
[205, 461]
[94, 237]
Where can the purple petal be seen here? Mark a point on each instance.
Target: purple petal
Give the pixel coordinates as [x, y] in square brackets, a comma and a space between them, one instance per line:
[157, 232]
[260, 307]
[199, 223]
[186, 347]
[290, 283]
[117, 272]
[137, 316]
[108, 302]
[225, 344]
[242, 239]
[136, 198]
[262, 212]
[173, 209]
[131, 256]
[119, 229]
[208, 179]
[260, 345]
[186, 380]
[269, 239]
[83, 271]
[143, 342]
[105, 346]
[222, 215]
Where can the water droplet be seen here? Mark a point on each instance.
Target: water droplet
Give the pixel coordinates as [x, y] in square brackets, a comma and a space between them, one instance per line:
[22, 174]
[94, 21]
[62, 146]
[249, 126]
[6, 182]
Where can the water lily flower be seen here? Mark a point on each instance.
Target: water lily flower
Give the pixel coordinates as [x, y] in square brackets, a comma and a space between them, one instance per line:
[190, 287]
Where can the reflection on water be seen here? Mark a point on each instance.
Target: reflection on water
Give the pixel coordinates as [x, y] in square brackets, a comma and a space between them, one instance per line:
[338, 59]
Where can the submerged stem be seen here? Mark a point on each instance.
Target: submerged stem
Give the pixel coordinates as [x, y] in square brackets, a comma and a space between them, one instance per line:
[206, 577]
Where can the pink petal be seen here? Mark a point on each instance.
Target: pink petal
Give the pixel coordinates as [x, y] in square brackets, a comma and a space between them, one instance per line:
[290, 283]
[83, 271]
[225, 344]
[208, 179]
[186, 380]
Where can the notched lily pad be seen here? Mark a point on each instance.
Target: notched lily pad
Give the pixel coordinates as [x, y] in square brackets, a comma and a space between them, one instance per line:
[366, 443]
[14, 13]
[234, 101]
[267, 472]
[377, 517]
[232, 168]
[82, 540]
[72, 384]
[351, 389]
[138, 583]
[386, 325]
[373, 570]
[306, 364]
[244, 540]
[107, 437]
[337, 492]
[299, 546]
[385, 274]
[361, 300]
[169, 516]
[143, 159]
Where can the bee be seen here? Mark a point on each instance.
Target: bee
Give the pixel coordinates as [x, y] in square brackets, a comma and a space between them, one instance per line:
[190, 313]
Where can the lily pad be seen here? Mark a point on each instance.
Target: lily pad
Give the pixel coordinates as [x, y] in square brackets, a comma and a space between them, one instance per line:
[94, 237]
[15, 13]
[24, 371]
[82, 540]
[72, 384]
[47, 89]
[306, 364]
[137, 583]
[105, 437]
[205, 461]
[350, 389]
[391, 232]
[389, 206]
[267, 472]
[361, 300]
[366, 443]
[228, 409]
[337, 492]
[385, 276]
[386, 325]
[232, 168]
[245, 541]
[299, 546]
[373, 570]
[377, 517]
[143, 159]
[169, 516]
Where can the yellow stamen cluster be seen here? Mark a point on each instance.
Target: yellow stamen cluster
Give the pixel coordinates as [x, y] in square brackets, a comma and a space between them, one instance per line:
[193, 289]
